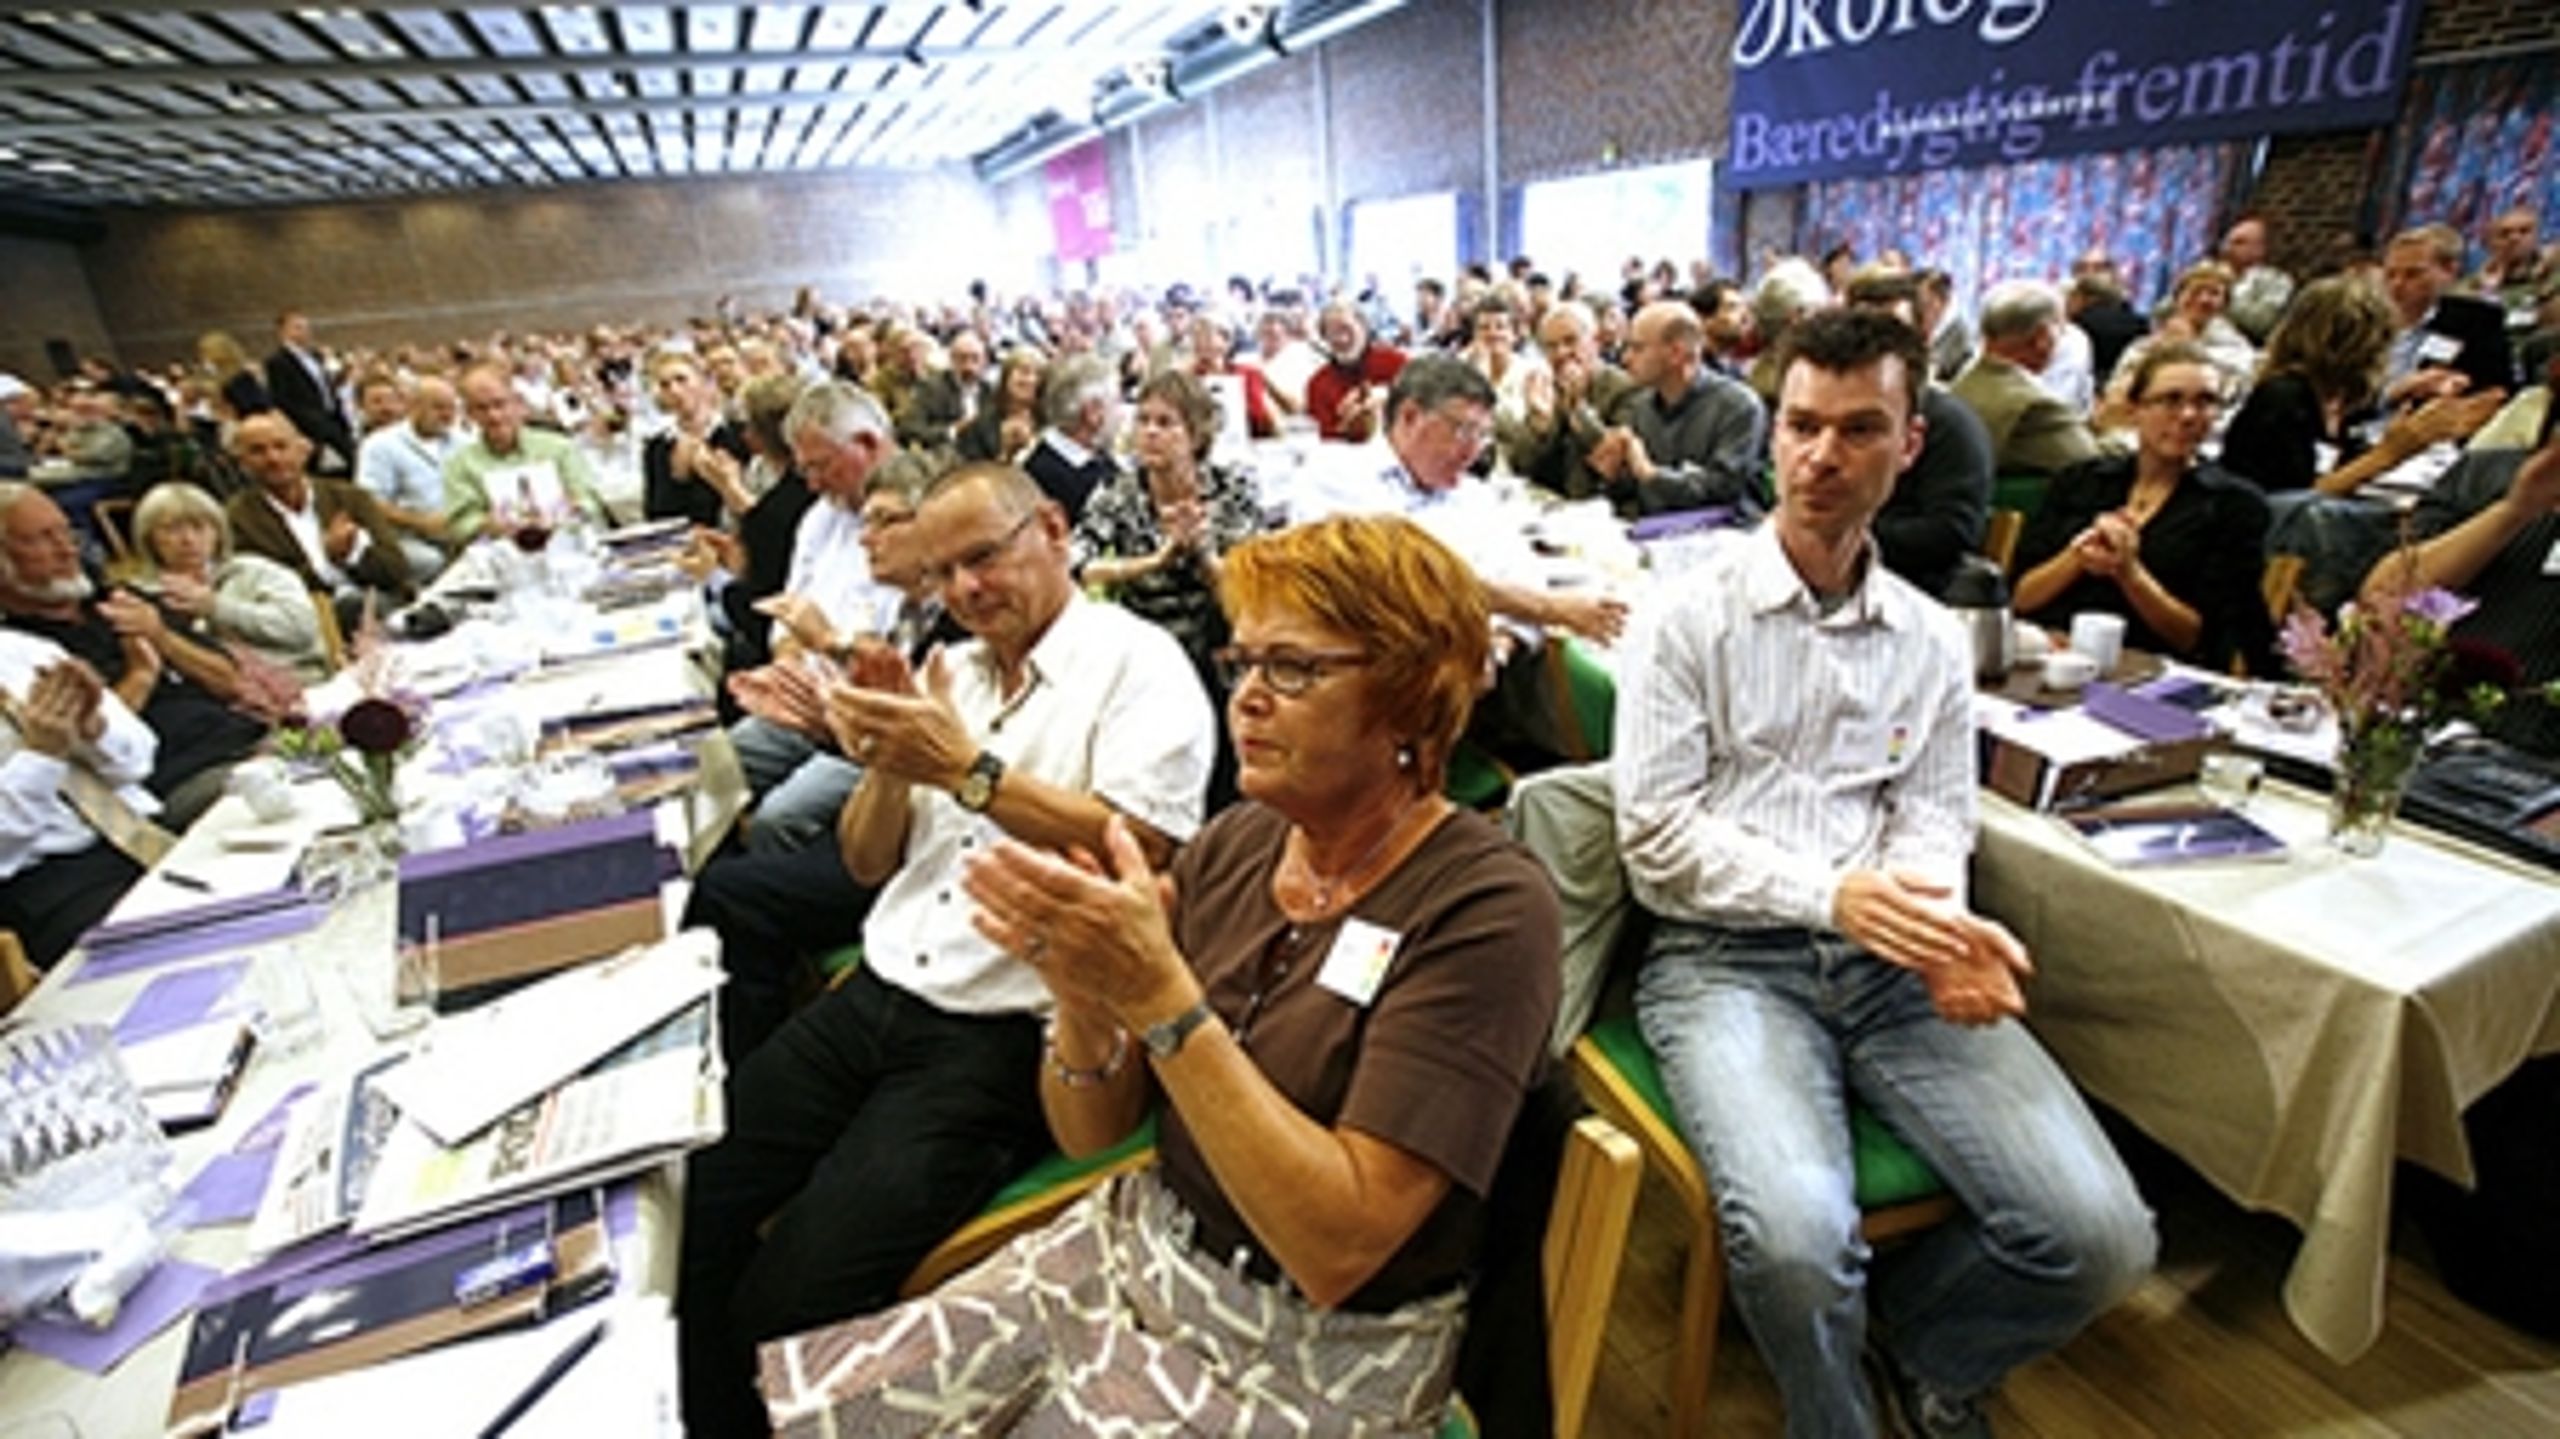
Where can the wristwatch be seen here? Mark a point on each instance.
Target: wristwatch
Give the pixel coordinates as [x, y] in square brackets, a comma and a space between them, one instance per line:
[1164, 1040]
[977, 788]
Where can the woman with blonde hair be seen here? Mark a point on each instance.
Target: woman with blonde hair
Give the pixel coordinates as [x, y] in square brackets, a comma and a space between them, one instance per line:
[223, 599]
[2194, 315]
[238, 383]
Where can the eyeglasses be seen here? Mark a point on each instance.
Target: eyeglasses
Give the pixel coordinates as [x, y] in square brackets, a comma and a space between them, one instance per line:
[2200, 403]
[1290, 673]
[1471, 431]
[886, 517]
[976, 559]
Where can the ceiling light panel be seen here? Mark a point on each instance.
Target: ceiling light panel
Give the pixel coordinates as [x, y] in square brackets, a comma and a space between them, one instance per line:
[775, 29]
[184, 35]
[710, 29]
[275, 34]
[506, 32]
[431, 34]
[576, 29]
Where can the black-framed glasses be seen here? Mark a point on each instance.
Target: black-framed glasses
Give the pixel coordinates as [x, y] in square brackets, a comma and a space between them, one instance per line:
[2200, 403]
[1287, 672]
[977, 557]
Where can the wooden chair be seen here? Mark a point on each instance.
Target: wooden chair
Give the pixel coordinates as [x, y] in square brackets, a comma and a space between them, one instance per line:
[18, 978]
[115, 529]
[1585, 693]
[1896, 1190]
[2281, 584]
[333, 638]
[2000, 537]
[1040, 1195]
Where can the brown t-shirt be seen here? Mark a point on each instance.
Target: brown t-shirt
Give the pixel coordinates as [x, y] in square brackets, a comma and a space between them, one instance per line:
[1437, 1061]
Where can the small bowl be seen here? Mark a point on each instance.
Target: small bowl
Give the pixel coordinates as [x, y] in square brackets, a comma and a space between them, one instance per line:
[2068, 670]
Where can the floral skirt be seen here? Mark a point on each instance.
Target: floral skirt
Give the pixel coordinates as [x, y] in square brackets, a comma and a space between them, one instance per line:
[1108, 1321]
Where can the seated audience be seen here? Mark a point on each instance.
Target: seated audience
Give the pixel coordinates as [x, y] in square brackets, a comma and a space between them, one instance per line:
[238, 381]
[1951, 340]
[332, 535]
[949, 397]
[695, 469]
[402, 466]
[220, 599]
[181, 690]
[2031, 432]
[2449, 343]
[512, 476]
[1344, 395]
[1213, 348]
[884, 1114]
[2096, 306]
[1724, 326]
[17, 414]
[1493, 347]
[1691, 437]
[2519, 277]
[1004, 429]
[1298, 1258]
[1794, 785]
[1790, 290]
[1284, 357]
[1572, 407]
[74, 830]
[2162, 537]
[2323, 367]
[2488, 529]
[1080, 399]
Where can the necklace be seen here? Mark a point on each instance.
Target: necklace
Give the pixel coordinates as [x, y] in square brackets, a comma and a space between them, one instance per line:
[1333, 891]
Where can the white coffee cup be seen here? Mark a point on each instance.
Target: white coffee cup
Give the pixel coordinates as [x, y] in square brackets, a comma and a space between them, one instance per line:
[264, 785]
[2030, 642]
[2068, 670]
[2100, 637]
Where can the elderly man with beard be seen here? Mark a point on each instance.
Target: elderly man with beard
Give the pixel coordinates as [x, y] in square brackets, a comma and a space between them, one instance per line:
[181, 690]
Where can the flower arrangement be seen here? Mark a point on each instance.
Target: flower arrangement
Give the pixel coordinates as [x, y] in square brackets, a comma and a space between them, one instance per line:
[2392, 674]
[363, 749]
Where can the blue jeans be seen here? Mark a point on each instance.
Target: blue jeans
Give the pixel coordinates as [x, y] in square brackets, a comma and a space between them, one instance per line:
[799, 788]
[1761, 1036]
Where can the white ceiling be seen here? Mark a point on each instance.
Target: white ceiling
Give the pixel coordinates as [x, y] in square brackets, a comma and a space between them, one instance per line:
[246, 103]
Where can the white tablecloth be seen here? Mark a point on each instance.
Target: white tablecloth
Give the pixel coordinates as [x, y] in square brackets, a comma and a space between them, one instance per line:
[2289, 1029]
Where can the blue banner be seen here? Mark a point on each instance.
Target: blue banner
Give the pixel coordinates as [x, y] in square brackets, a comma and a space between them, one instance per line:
[1830, 88]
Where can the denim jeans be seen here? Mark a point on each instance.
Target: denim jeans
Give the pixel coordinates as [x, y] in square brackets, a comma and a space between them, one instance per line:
[799, 788]
[1761, 1036]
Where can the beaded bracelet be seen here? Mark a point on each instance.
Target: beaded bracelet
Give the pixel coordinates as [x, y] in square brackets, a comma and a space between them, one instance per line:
[1074, 1078]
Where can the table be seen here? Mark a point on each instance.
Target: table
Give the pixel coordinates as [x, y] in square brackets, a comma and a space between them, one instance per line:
[2289, 1029]
[348, 959]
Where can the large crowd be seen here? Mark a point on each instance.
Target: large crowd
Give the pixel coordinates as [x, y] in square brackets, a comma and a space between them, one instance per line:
[987, 577]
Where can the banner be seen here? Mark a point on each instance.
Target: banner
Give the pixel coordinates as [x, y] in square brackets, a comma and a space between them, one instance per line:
[1826, 88]
[1079, 189]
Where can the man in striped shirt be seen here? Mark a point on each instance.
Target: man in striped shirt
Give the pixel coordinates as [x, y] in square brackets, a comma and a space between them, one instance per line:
[1795, 802]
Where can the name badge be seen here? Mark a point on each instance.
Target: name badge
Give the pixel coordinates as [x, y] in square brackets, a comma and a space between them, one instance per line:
[1357, 963]
[2551, 561]
[2438, 349]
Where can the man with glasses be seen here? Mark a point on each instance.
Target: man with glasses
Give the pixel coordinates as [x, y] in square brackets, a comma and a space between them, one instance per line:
[1692, 437]
[513, 478]
[882, 1116]
[1794, 785]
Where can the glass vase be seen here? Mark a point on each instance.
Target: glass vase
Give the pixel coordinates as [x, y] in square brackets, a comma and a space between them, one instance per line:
[2375, 761]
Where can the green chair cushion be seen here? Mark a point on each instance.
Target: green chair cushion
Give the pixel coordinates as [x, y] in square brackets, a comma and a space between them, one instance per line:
[840, 961]
[2023, 493]
[1591, 687]
[1461, 1423]
[1058, 1169]
[1475, 781]
[1888, 1171]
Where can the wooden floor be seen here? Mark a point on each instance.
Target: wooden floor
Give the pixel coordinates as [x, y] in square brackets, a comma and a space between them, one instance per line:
[2202, 1349]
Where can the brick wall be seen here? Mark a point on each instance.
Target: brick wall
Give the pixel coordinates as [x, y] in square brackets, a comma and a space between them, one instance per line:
[1591, 84]
[45, 295]
[424, 269]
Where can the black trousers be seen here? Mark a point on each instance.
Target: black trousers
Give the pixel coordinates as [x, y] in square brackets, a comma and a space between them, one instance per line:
[53, 902]
[865, 1131]
[774, 913]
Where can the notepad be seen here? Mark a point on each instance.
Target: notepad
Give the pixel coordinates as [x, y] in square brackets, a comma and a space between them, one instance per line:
[2137, 836]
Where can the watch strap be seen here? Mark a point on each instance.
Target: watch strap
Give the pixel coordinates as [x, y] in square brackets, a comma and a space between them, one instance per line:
[1164, 1040]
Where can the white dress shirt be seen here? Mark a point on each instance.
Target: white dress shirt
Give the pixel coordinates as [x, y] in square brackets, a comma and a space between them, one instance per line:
[830, 570]
[1763, 749]
[35, 820]
[1109, 706]
[312, 536]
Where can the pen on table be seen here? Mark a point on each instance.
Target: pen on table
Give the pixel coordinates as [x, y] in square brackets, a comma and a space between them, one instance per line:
[543, 1383]
[186, 881]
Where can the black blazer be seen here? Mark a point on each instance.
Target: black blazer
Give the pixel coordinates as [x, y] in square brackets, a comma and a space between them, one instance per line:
[2480, 329]
[1069, 484]
[313, 408]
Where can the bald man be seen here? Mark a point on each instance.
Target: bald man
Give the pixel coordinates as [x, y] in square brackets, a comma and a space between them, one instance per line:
[332, 534]
[1692, 438]
[402, 466]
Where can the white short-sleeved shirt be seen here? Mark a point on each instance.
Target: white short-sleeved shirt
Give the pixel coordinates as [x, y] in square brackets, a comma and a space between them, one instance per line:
[1109, 707]
[830, 570]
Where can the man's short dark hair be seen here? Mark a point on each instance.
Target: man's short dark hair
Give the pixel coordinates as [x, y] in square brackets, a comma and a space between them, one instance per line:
[1851, 338]
[1434, 380]
[1430, 286]
[1880, 288]
[1709, 297]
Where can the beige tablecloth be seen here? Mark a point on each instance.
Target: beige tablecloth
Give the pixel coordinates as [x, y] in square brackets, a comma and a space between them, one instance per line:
[2289, 1029]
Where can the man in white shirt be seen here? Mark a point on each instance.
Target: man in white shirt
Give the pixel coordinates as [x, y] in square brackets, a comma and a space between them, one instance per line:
[402, 465]
[61, 730]
[882, 1116]
[838, 435]
[1794, 786]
